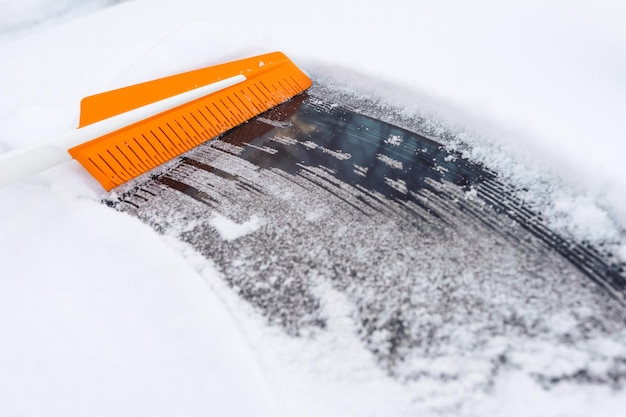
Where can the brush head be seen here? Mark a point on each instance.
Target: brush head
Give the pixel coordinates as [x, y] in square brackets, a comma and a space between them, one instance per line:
[133, 150]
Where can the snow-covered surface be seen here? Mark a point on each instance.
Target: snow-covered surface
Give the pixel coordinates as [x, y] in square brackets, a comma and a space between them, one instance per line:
[100, 315]
[19, 17]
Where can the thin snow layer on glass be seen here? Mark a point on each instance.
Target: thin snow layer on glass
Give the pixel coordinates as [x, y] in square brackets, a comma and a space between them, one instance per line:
[316, 215]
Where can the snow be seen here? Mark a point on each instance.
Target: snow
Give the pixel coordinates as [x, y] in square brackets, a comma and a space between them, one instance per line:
[621, 253]
[19, 17]
[230, 230]
[100, 315]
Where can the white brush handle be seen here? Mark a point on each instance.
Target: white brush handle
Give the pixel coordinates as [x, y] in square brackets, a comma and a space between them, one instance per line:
[21, 163]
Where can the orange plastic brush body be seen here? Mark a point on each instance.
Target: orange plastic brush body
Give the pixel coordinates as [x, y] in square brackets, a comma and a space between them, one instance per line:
[129, 152]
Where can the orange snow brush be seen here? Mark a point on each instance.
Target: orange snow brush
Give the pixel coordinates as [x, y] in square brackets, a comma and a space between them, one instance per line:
[126, 132]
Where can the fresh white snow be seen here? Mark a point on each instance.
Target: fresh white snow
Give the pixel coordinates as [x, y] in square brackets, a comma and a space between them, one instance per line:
[229, 230]
[99, 315]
